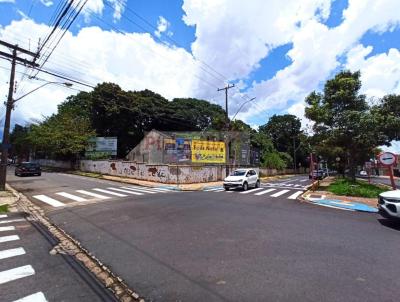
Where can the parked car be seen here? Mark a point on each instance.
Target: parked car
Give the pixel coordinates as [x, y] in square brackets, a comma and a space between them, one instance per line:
[317, 174]
[389, 204]
[363, 173]
[28, 168]
[242, 178]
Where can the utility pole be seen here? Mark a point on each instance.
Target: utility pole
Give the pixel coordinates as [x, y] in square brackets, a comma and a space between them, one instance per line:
[227, 126]
[10, 105]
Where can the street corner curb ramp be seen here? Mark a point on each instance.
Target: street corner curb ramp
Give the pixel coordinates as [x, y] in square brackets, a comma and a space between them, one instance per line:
[350, 206]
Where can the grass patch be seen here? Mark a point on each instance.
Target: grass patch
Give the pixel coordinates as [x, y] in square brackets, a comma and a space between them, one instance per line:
[4, 208]
[88, 174]
[347, 187]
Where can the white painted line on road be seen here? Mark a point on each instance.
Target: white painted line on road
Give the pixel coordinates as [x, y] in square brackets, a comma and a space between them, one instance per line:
[125, 191]
[71, 196]
[251, 191]
[295, 195]
[49, 200]
[11, 253]
[109, 192]
[213, 189]
[300, 188]
[16, 273]
[7, 228]
[264, 192]
[280, 193]
[288, 185]
[140, 190]
[3, 216]
[12, 220]
[157, 190]
[219, 190]
[297, 185]
[228, 191]
[9, 238]
[38, 297]
[162, 189]
[92, 194]
[303, 180]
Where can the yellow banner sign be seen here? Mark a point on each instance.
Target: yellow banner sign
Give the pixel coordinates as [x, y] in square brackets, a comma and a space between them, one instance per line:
[208, 152]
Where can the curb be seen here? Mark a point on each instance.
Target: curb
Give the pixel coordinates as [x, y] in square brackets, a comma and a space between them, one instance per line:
[72, 247]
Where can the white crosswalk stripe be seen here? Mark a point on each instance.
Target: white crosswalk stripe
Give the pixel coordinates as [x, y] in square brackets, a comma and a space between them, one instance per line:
[50, 201]
[99, 196]
[140, 190]
[251, 191]
[71, 196]
[280, 193]
[7, 228]
[109, 192]
[37, 297]
[213, 189]
[303, 180]
[219, 190]
[288, 185]
[295, 195]
[9, 238]
[125, 191]
[11, 220]
[11, 253]
[264, 192]
[16, 273]
[3, 216]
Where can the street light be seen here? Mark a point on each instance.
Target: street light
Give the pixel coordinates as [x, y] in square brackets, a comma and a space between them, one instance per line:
[241, 106]
[6, 133]
[37, 88]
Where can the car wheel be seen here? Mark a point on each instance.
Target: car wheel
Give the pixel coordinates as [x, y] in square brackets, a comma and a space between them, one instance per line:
[226, 188]
[245, 186]
[258, 184]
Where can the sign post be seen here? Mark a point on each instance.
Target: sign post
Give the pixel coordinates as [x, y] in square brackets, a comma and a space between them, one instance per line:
[368, 166]
[388, 159]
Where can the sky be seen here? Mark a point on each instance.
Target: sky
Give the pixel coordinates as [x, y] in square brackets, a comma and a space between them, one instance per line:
[276, 51]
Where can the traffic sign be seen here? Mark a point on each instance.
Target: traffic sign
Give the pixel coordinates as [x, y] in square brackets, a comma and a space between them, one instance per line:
[387, 158]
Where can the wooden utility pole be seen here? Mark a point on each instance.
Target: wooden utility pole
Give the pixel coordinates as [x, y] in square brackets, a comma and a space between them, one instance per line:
[227, 126]
[10, 105]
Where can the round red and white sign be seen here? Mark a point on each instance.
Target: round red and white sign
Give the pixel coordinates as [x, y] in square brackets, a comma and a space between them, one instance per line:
[387, 158]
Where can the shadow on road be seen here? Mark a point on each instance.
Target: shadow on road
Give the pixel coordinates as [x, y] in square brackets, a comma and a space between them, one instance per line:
[395, 225]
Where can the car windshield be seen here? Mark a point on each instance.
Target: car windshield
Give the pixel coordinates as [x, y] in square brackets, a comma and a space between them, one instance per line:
[238, 173]
[29, 165]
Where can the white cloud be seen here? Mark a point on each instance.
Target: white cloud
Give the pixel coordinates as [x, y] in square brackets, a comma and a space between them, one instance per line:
[47, 3]
[92, 56]
[162, 26]
[97, 7]
[7, 1]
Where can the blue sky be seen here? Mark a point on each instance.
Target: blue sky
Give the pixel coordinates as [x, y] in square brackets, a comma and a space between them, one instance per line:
[275, 52]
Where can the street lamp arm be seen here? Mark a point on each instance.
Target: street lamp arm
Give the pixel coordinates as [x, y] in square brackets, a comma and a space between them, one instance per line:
[241, 106]
[37, 88]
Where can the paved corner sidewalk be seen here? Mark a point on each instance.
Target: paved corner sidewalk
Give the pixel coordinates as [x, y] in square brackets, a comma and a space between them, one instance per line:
[179, 187]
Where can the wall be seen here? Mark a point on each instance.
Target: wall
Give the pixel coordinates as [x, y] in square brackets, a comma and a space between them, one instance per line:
[171, 174]
[54, 163]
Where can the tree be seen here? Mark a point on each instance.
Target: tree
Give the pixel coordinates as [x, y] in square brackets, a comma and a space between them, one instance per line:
[344, 124]
[20, 144]
[287, 136]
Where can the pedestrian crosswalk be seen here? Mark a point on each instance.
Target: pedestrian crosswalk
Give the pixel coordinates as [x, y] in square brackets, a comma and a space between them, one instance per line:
[12, 274]
[62, 199]
[288, 190]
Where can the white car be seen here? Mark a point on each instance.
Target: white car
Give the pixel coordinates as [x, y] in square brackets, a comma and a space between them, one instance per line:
[242, 178]
[389, 204]
[363, 173]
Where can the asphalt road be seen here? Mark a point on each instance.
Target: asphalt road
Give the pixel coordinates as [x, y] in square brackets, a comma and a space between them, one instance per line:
[385, 181]
[229, 246]
[28, 270]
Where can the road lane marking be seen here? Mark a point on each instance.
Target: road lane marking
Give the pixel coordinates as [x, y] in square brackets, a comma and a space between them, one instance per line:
[38, 297]
[227, 191]
[49, 200]
[303, 180]
[125, 191]
[280, 193]
[11, 253]
[299, 188]
[16, 273]
[139, 190]
[3, 216]
[9, 238]
[297, 185]
[213, 189]
[7, 228]
[12, 220]
[71, 196]
[295, 195]
[288, 185]
[265, 192]
[219, 190]
[251, 191]
[109, 192]
[92, 194]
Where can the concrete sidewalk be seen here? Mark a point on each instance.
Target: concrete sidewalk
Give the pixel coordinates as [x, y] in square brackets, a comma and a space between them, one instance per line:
[179, 187]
